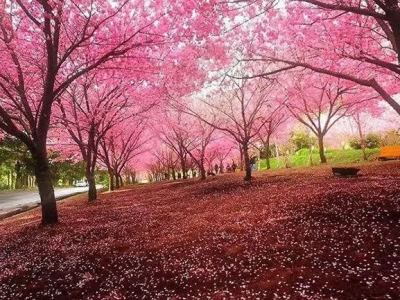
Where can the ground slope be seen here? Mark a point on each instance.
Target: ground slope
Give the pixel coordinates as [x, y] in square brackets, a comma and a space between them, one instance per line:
[290, 234]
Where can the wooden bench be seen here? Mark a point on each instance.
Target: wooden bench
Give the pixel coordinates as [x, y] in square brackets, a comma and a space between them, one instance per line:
[345, 171]
[389, 152]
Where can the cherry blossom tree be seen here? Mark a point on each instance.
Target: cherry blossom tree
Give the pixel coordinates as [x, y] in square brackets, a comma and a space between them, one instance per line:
[238, 111]
[222, 152]
[119, 146]
[275, 120]
[168, 159]
[201, 135]
[319, 103]
[47, 45]
[155, 171]
[174, 134]
[361, 120]
[353, 41]
[88, 118]
[42, 45]
[96, 105]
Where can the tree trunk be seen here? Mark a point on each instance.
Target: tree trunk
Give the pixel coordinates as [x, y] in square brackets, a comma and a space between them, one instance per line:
[183, 167]
[267, 158]
[121, 182]
[10, 180]
[363, 149]
[111, 185]
[203, 172]
[362, 138]
[321, 149]
[18, 176]
[247, 163]
[241, 158]
[46, 191]
[92, 186]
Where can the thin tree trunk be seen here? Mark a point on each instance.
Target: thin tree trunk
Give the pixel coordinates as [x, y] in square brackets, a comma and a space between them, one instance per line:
[46, 191]
[267, 159]
[362, 138]
[10, 180]
[321, 149]
[363, 149]
[121, 182]
[241, 158]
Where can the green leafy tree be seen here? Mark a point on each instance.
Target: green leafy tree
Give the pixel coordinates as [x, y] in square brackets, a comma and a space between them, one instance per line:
[302, 140]
[15, 159]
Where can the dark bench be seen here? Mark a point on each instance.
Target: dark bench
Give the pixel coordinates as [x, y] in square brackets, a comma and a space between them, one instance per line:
[345, 171]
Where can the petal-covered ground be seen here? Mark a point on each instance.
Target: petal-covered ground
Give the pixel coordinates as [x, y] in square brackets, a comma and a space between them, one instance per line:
[290, 234]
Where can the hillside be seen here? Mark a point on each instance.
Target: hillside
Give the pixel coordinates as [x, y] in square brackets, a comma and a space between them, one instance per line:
[290, 234]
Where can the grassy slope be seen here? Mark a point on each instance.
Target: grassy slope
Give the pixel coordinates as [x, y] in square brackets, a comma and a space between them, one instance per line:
[335, 157]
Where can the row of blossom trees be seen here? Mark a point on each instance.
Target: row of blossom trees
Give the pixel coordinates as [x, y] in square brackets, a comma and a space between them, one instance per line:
[250, 110]
[104, 76]
[51, 48]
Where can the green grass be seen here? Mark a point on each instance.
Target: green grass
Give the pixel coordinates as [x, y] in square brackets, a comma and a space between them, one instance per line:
[334, 157]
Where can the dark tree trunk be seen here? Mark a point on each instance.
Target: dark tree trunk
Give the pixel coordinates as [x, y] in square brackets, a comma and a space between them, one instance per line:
[18, 175]
[247, 162]
[321, 149]
[267, 157]
[92, 186]
[183, 165]
[46, 191]
[121, 182]
[111, 185]
[202, 171]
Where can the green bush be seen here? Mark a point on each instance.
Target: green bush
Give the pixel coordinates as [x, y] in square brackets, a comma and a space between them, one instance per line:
[302, 140]
[354, 142]
[305, 151]
[372, 140]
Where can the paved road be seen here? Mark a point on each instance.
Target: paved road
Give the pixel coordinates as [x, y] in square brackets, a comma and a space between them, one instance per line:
[11, 200]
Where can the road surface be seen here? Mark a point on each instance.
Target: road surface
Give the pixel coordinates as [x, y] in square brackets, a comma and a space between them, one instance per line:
[12, 200]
